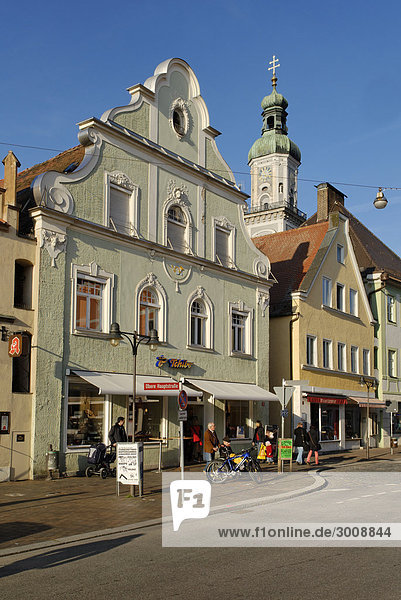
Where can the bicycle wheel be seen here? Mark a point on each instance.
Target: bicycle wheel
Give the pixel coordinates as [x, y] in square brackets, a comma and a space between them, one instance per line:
[217, 471]
[255, 472]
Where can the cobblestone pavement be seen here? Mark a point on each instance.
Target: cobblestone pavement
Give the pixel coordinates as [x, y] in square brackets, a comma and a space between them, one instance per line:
[41, 510]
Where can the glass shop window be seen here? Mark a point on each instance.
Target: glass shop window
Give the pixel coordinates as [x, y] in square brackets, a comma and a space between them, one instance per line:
[86, 412]
[237, 417]
[329, 422]
[352, 422]
[148, 419]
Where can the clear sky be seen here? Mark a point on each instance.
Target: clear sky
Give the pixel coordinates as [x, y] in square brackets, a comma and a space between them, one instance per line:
[340, 72]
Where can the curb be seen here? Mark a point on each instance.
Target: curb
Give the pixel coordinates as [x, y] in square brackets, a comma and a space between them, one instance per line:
[319, 483]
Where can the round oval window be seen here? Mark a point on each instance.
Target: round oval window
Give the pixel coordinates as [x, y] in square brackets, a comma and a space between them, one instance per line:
[178, 122]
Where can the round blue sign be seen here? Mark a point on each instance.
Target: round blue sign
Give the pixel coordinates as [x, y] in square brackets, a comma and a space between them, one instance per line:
[182, 400]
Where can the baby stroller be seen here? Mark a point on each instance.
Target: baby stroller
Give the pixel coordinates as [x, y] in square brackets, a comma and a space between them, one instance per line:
[100, 457]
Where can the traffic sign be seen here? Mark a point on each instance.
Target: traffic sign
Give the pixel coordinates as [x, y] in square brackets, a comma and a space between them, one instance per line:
[183, 400]
[284, 413]
[182, 415]
[280, 393]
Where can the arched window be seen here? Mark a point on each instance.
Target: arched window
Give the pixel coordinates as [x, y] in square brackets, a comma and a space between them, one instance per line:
[178, 122]
[148, 311]
[176, 228]
[198, 323]
[270, 122]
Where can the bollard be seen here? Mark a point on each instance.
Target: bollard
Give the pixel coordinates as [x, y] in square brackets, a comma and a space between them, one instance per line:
[51, 459]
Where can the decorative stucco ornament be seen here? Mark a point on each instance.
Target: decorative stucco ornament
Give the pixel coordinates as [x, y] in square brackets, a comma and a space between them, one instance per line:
[177, 272]
[181, 107]
[260, 268]
[59, 198]
[53, 242]
[263, 301]
[88, 137]
[177, 193]
[122, 180]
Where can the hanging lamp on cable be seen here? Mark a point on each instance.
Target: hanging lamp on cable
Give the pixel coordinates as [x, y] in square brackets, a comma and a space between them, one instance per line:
[380, 200]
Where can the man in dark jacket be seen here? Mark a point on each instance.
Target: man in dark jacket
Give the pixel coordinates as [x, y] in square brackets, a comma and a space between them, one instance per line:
[117, 433]
[300, 443]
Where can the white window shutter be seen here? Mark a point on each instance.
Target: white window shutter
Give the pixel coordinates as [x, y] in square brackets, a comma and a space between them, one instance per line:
[119, 210]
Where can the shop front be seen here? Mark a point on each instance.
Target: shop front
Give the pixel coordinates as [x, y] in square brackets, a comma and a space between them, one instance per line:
[95, 400]
[376, 409]
[327, 415]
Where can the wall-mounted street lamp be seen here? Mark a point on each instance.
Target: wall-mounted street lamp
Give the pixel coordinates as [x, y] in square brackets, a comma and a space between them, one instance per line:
[134, 339]
[370, 384]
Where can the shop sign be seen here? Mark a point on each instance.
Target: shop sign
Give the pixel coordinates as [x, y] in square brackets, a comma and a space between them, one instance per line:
[15, 346]
[173, 363]
[285, 449]
[161, 386]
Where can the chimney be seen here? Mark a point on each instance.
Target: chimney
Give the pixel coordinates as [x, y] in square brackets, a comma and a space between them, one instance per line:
[327, 197]
[11, 164]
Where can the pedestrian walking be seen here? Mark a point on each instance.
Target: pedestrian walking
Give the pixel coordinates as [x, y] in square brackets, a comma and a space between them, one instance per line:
[211, 442]
[314, 446]
[259, 435]
[117, 433]
[196, 433]
[300, 442]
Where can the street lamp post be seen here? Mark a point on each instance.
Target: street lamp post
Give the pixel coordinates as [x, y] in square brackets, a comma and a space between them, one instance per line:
[134, 339]
[370, 383]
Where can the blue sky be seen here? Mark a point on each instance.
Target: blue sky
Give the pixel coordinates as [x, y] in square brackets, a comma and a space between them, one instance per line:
[340, 72]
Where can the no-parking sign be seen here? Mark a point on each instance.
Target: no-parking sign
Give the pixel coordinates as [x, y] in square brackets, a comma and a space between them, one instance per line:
[182, 400]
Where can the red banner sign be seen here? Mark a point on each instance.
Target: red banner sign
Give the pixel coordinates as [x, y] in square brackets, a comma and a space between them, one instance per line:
[161, 386]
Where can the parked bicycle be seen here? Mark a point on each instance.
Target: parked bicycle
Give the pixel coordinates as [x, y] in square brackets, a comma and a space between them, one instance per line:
[221, 470]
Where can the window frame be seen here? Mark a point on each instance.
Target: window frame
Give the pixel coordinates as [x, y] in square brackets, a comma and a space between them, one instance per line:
[200, 295]
[354, 359]
[23, 284]
[149, 306]
[391, 309]
[366, 361]
[154, 284]
[392, 372]
[340, 287]
[340, 254]
[353, 294]
[94, 273]
[341, 346]
[311, 344]
[176, 200]
[223, 224]
[327, 344]
[247, 312]
[327, 292]
[121, 182]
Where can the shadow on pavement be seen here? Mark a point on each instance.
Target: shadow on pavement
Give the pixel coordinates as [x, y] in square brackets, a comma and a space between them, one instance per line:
[19, 529]
[64, 555]
[48, 498]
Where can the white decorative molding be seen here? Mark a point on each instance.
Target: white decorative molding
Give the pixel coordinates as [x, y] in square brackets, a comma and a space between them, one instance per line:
[261, 268]
[177, 193]
[177, 272]
[224, 223]
[88, 137]
[122, 180]
[53, 242]
[182, 106]
[97, 274]
[57, 198]
[263, 299]
[200, 293]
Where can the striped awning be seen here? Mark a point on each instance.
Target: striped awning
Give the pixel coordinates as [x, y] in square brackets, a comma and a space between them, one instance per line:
[320, 399]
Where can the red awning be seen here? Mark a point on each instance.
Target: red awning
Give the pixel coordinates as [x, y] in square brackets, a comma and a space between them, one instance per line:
[326, 399]
[363, 402]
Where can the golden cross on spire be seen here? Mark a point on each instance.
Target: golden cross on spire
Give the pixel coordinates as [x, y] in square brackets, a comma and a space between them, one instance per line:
[273, 68]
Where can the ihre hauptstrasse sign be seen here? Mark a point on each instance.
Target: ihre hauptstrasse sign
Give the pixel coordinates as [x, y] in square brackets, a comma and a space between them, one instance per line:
[161, 386]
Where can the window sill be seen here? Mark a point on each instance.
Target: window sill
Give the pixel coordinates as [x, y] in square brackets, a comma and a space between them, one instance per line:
[341, 313]
[22, 307]
[91, 334]
[200, 349]
[241, 355]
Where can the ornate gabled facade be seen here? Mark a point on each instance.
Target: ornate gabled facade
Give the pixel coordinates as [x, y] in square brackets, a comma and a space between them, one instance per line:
[274, 160]
[144, 226]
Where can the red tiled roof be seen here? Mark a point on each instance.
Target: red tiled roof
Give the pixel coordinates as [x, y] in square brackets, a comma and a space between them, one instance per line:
[57, 163]
[291, 253]
[371, 253]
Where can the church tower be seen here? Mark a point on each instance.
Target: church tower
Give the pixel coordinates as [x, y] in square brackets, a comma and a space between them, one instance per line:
[274, 160]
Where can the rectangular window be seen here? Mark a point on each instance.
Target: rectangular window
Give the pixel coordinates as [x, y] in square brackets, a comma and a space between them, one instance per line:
[237, 418]
[89, 304]
[353, 302]
[311, 350]
[341, 356]
[340, 296]
[366, 362]
[340, 253]
[86, 414]
[238, 331]
[354, 359]
[148, 419]
[391, 309]
[223, 247]
[352, 422]
[327, 354]
[330, 424]
[326, 283]
[391, 363]
[119, 215]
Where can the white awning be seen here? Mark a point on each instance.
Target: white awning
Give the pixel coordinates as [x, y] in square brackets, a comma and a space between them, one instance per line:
[120, 384]
[224, 390]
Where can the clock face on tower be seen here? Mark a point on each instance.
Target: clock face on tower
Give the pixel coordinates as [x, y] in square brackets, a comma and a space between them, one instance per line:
[265, 173]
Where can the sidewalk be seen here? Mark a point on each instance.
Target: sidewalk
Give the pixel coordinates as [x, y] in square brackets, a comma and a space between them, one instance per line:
[41, 510]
